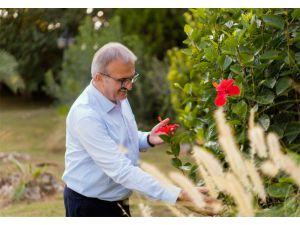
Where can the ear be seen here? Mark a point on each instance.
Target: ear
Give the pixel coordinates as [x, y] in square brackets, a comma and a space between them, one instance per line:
[98, 77]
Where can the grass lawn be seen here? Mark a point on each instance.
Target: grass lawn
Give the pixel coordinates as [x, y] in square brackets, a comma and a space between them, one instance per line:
[38, 129]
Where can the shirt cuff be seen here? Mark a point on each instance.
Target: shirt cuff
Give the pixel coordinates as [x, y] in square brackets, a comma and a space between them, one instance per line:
[143, 143]
[171, 194]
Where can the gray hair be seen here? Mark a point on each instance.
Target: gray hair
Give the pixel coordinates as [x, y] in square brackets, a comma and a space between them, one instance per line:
[108, 53]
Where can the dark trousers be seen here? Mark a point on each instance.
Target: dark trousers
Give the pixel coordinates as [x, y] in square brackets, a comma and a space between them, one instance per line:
[78, 205]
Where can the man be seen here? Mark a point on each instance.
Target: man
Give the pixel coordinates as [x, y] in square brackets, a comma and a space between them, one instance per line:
[99, 177]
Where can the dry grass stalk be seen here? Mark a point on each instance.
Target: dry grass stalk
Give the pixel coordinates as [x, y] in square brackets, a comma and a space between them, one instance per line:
[188, 186]
[123, 210]
[251, 119]
[242, 198]
[258, 186]
[146, 211]
[269, 168]
[257, 141]
[230, 148]
[156, 173]
[282, 161]
[175, 211]
[211, 164]
[210, 184]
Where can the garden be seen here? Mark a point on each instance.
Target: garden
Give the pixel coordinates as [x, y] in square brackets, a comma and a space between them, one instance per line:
[229, 80]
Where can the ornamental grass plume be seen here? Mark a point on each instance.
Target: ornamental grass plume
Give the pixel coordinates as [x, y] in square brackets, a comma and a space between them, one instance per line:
[282, 161]
[156, 173]
[209, 182]
[269, 168]
[242, 197]
[201, 203]
[146, 211]
[175, 211]
[188, 186]
[233, 156]
[257, 138]
[257, 183]
[257, 142]
[211, 164]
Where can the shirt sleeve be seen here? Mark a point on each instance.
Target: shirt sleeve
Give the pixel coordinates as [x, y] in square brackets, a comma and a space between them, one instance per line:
[95, 138]
[143, 143]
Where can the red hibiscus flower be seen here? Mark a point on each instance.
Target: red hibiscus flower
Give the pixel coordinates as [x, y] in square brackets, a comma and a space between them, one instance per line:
[167, 129]
[224, 89]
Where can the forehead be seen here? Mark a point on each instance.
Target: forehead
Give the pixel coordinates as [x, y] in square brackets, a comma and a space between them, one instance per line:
[120, 69]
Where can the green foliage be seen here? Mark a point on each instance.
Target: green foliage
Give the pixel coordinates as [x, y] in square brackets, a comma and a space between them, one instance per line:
[259, 49]
[25, 35]
[158, 29]
[8, 72]
[76, 73]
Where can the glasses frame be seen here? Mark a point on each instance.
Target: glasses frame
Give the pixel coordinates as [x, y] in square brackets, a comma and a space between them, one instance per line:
[132, 79]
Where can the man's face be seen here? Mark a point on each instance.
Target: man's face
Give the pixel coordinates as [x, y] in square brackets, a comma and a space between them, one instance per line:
[110, 85]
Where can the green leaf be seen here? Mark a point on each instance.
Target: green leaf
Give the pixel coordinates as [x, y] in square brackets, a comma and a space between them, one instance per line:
[177, 85]
[169, 152]
[282, 85]
[186, 167]
[187, 88]
[246, 58]
[277, 129]
[280, 190]
[237, 69]
[292, 131]
[274, 21]
[19, 191]
[165, 138]
[211, 53]
[188, 107]
[18, 165]
[176, 162]
[270, 82]
[240, 109]
[297, 57]
[188, 30]
[187, 51]
[266, 97]
[227, 62]
[175, 149]
[264, 121]
[271, 54]
[296, 13]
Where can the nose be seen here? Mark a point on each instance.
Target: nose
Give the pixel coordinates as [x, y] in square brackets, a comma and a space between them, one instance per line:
[129, 86]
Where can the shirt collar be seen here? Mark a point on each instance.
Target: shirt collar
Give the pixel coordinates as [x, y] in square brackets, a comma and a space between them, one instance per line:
[101, 99]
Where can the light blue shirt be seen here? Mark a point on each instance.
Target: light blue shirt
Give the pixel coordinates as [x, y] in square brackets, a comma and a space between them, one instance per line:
[94, 165]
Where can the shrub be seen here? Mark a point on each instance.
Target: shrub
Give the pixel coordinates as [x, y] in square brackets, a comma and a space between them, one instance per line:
[9, 73]
[259, 49]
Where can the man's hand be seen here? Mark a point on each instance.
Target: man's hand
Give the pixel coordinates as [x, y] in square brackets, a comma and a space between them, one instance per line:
[212, 205]
[184, 196]
[154, 136]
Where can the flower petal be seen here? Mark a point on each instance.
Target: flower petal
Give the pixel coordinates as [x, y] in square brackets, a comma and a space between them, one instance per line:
[225, 84]
[220, 100]
[233, 90]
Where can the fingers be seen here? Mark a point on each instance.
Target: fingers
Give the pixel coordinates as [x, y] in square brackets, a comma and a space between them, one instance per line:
[164, 122]
[203, 190]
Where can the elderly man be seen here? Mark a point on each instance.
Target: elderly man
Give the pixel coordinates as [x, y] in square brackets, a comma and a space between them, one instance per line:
[99, 177]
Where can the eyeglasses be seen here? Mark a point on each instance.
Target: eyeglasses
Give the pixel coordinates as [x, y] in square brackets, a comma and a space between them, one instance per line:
[124, 81]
